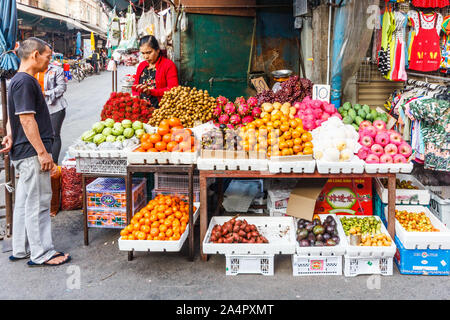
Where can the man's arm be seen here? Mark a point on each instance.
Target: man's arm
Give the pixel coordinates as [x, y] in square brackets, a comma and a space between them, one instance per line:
[30, 127]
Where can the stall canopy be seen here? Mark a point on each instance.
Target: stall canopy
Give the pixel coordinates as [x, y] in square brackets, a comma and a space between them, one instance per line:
[8, 33]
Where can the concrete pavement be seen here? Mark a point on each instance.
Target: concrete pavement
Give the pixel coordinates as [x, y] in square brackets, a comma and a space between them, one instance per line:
[101, 271]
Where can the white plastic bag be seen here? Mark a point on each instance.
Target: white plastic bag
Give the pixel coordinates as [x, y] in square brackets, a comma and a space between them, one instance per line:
[162, 32]
[144, 26]
[183, 22]
[168, 24]
[156, 30]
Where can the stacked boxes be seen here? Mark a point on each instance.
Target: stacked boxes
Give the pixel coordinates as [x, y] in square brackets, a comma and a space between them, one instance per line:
[106, 201]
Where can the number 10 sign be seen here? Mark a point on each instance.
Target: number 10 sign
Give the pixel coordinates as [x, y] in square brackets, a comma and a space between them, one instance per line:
[321, 92]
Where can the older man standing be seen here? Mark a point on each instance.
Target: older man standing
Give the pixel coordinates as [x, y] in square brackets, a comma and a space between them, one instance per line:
[29, 141]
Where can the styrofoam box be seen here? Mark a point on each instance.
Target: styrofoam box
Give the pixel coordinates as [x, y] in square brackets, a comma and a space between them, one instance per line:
[279, 231]
[366, 251]
[354, 166]
[422, 240]
[292, 166]
[354, 266]
[388, 167]
[232, 164]
[249, 264]
[441, 208]
[162, 157]
[158, 245]
[405, 196]
[316, 265]
[337, 250]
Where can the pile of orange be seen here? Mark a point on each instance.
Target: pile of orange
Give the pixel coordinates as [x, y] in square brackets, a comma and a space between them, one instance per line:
[163, 218]
[277, 135]
[171, 136]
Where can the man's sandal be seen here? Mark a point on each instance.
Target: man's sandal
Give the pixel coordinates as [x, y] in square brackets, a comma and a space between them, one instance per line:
[45, 264]
[12, 258]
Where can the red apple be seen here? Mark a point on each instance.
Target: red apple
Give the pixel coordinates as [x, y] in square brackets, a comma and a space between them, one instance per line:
[391, 149]
[372, 158]
[386, 158]
[366, 141]
[398, 158]
[395, 138]
[377, 150]
[379, 124]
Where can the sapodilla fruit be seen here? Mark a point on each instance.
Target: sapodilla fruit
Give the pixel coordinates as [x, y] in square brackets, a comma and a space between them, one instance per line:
[382, 138]
[377, 149]
[390, 149]
[372, 158]
[405, 149]
[386, 158]
[399, 158]
[395, 138]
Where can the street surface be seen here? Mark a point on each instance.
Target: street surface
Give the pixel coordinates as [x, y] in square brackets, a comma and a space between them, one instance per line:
[101, 271]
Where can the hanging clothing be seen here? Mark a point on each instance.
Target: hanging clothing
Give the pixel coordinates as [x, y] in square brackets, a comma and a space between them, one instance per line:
[384, 57]
[399, 70]
[430, 3]
[426, 51]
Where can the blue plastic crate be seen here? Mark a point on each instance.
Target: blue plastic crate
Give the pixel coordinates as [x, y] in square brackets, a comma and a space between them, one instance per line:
[422, 262]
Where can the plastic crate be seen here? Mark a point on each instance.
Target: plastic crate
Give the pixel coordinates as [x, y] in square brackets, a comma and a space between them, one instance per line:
[102, 165]
[440, 207]
[249, 264]
[109, 193]
[354, 266]
[183, 195]
[109, 218]
[175, 182]
[354, 166]
[388, 167]
[422, 262]
[316, 265]
[405, 196]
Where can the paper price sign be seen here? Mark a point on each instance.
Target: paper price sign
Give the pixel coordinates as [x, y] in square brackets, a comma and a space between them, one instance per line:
[321, 92]
[260, 84]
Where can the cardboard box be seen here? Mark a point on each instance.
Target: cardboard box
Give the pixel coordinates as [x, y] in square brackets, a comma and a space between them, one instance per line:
[345, 196]
[303, 198]
[422, 262]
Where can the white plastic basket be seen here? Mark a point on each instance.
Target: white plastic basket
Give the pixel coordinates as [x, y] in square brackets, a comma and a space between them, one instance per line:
[366, 251]
[232, 164]
[389, 167]
[354, 266]
[158, 245]
[292, 166]
[175, 182]
[422, 240]
[441, 208]
[279, 231]
[405, 196]
[249, 264]
[162, 157]
[354, 166]
[116, 166]
[316, 265]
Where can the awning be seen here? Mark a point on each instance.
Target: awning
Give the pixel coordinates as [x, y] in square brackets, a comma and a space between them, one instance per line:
[71, 23]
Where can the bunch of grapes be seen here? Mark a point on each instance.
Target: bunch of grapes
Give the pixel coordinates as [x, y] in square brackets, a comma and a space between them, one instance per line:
[293, 90]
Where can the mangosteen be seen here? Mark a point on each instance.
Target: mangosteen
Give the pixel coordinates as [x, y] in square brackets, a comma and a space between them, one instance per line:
[319, 244]
[326, 236]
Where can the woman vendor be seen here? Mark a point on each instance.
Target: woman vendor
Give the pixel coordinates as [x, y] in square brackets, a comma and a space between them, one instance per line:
[156, 74]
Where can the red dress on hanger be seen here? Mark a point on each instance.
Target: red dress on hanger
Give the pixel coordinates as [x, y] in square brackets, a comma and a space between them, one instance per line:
[426, 50]
[430, 3]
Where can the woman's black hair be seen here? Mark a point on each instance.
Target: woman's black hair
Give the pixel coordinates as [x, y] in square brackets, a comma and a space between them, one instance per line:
[151, 41]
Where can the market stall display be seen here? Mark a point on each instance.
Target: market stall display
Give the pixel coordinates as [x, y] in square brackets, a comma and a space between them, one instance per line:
[409, 190]
[235, 114]
[357, 115]
[190, 105]
[122, 106]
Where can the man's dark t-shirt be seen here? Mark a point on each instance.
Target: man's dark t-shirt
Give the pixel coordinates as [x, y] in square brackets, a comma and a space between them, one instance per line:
[25, 97]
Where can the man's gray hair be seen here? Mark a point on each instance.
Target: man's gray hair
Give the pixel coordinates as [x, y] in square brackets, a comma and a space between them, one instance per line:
[28, 46]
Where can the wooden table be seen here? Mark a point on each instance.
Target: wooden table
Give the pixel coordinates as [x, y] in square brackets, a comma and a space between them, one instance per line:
[205, 174]
[169, 168]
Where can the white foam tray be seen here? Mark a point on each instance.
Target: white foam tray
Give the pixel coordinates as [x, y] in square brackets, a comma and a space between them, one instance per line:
[279, 231]
[405, 196]
[422, 240]
[337, 250]
[365, 251]
[388, 167]
[292, 166]
[98, 153]
[162, 157]
[158, 245]
[354, 166]
[232, 164]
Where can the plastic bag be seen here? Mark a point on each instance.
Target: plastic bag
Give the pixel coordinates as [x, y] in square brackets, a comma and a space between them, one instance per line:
[156, 29]
[56, 190]
[183, 22]
[168, 24]
[162, 32]
[145, 24]
[71, 186]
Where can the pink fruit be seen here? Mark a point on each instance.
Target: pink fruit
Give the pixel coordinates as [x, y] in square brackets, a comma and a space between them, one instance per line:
[337, 115]
[224, 118]
[405, 149]
[252, 102]
[370, 130]
[297, 105]
[229, 108]
[364, 124]
[386, 158]
[308, 111]
[243, 109]
[391, 149]
[247, 119]
[379, 124]
[382, 138]
[256, 112]
[230, 126]
[309, 117]
[217, 111]
[221, 101]
[398, 158]
[235, 119]
[395, 138]
[366, 141]
[377, 149]
[240, 100]
[363, 152]
[372, 158]
[325, 116]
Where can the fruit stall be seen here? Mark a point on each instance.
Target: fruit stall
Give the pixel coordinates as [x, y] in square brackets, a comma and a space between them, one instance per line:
[366, 213]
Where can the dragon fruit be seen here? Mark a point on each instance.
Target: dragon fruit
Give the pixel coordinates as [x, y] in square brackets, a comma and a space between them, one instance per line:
[224, 118]
[252, 102]
[230, 126]
[217, 111]
[256, 112]
[235, 119]
[247, 119]
[243, 109]
[229, 108]
[221, 101]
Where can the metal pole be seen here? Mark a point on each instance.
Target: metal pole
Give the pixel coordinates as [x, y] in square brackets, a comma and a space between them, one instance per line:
[329, 36]
[8, 195]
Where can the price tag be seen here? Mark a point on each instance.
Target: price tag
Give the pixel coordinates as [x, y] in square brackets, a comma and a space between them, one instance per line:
[260, 84]
[321, 92]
